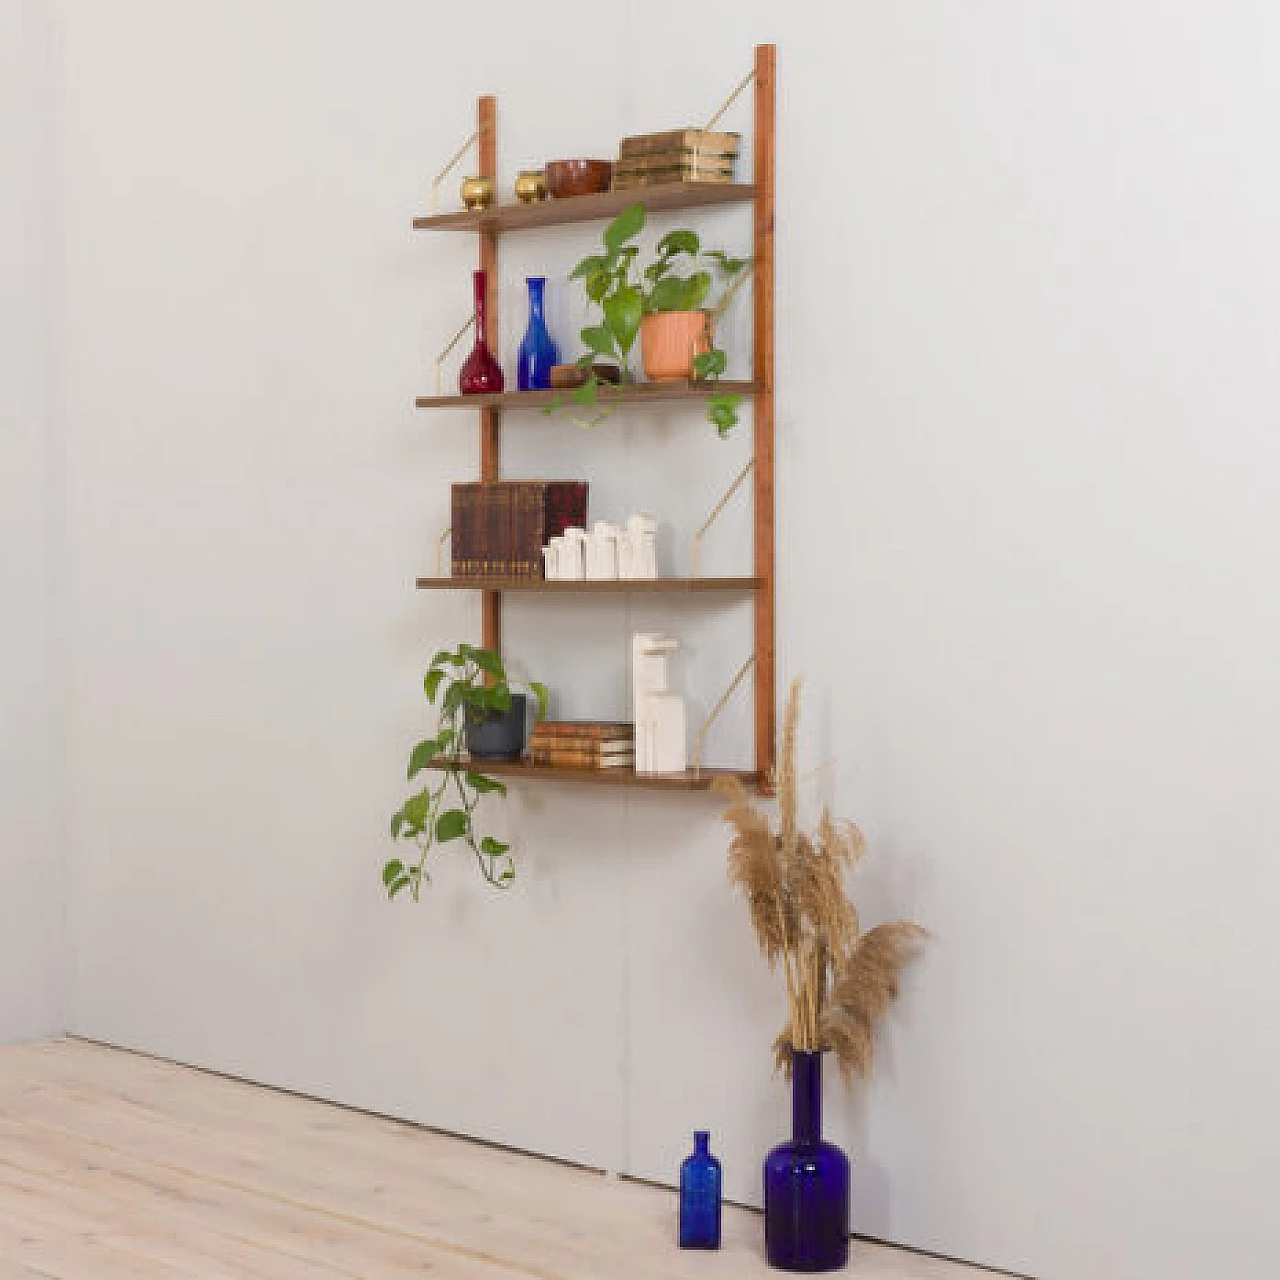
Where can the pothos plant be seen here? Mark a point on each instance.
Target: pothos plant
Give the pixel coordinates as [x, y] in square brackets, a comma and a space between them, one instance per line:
[678, 279]
[471, 684]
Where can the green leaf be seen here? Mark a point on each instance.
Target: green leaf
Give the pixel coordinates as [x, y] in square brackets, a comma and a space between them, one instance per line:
[585, 395]
[396, 885]
[397, 823]
[626, 226]
[595, 262]
[492, 848]
[598, 284]
[600, 339]
[622, 313]
[710, 364]
[681, 241]
[415, 812]
[482, 783]
[445, 658]
[431, 683]
[452, 824]
[392, 871]
[488, 662]
[670, 294]
[454, 696]
[722, 413]
[539, 691]
[697, 286]
[656, 270]
[423, 754]
[728, 266]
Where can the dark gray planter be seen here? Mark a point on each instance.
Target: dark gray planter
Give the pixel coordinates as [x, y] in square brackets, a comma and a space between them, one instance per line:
[500, 735]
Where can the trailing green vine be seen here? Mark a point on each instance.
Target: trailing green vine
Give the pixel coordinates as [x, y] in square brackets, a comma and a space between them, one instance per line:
[472, 685]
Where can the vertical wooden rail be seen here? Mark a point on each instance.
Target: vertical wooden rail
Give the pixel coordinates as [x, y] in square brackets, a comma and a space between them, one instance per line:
[763, 345]
[490, 419]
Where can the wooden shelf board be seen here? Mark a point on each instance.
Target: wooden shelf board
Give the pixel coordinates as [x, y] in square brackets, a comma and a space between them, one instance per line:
[633, 393]
[611, 587]
[605, 204]
[687, 781]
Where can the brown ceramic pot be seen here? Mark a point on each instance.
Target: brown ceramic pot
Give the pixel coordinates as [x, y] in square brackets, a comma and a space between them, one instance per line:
[669, 341]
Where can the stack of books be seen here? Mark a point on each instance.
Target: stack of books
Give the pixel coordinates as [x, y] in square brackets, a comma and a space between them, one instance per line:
[583, 744]
[500, 527]
[679, 155]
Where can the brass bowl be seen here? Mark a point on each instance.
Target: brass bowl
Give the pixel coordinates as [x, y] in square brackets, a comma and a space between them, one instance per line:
[477, 193]
[531, 186]
[578, 177]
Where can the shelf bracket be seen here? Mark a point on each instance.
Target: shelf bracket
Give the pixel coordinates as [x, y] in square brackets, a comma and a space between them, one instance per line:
[696, 571]
[440, 541]
[730, 100]
[444, 355]
[472, 137]
[699, 742]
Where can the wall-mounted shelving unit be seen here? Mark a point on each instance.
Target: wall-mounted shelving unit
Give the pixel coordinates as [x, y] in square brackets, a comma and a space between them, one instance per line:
[488, 226]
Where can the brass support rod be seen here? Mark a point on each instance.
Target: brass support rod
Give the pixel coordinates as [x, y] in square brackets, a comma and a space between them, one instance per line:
[730, 100]
[473, 136]
[700, 741]
[696, 571]
[444, 355]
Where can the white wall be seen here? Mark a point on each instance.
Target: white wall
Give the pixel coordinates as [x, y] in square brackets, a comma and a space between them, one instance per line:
[32, 877]
[1028, 293]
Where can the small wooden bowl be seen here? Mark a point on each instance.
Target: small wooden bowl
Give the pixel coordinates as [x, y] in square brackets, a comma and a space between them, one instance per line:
[577, 177]
[565, 377]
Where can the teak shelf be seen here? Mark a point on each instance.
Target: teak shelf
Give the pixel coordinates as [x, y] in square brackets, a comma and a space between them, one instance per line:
[633, 393]
[689, 780]
[589, 587]
[607, 204]
[488, 227]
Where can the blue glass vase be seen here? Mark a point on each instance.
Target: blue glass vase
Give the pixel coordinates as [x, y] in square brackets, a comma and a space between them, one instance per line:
[806, 1184]
[538, 352]
[700, 1197]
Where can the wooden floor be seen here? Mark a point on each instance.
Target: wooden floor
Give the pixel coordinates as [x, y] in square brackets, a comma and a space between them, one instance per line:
[115, 1166]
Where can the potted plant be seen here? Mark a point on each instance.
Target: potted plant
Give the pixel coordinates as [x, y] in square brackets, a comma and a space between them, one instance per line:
[663, 304]
[839, 981]
[481, 717]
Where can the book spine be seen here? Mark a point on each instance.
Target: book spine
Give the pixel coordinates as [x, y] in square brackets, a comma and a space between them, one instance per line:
[578, 759]
[526, 521]
[464, 532]
[579, 743]
[456, 500]
[564, 507]
[502, 543]
[593, 731]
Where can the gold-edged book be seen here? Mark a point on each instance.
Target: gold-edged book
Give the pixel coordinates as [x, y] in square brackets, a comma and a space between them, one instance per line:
[647, 144]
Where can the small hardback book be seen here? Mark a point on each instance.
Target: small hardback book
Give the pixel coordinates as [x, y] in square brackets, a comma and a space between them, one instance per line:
[559, 758]
[592, 729]
[645, 144]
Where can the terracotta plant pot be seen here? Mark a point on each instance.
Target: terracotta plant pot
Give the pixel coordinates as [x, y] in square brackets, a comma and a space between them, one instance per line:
[669, 340]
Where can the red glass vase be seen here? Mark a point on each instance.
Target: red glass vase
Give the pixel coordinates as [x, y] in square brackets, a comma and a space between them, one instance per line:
[480, 373]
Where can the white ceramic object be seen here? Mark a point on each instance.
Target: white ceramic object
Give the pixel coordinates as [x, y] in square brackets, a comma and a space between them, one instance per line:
[602, 551]
[659, 713]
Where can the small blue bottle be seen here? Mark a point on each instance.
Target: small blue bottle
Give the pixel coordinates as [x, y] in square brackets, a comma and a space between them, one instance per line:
[700, 1197]
[538, 351]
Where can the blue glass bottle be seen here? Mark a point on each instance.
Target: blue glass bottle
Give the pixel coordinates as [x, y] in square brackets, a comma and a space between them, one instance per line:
[538, 352]
[806, 1184]
[700, 1197]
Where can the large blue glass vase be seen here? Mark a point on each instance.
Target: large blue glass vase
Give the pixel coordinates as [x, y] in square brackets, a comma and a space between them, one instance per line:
[806, 1184]
[538, 351]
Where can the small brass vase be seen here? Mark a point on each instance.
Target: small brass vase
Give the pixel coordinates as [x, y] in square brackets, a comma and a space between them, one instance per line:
[531, 186]
[477, 194]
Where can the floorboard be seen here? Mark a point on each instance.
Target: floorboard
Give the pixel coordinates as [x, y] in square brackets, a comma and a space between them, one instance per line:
[116, 1165]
